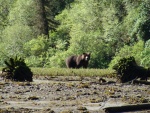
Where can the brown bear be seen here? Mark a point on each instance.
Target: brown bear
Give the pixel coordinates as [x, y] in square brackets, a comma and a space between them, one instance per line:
[78, 61]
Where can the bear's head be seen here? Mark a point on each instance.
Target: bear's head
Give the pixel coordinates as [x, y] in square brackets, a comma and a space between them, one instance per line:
[86, 56]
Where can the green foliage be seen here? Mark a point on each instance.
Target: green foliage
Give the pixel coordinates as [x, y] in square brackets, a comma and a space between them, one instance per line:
[90, 30]
[42, 52]
[17, 70]
[35, 51]
[35, 61]
[24, 22]
[5, 7]
[16, 32]
[127, 51]
[57, 61]
[22, 12]
[59, 40]
[53, 8]
[35, 46]
[107, 29]
[111, 16]
[145, 57]
[83, 24]
[14, 37]
[137, 18]
[29, 13]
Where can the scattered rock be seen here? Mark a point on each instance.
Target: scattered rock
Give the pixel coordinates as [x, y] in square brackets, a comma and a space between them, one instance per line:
[33, 98]
[66, 111]
[81, 108]
[83, 85]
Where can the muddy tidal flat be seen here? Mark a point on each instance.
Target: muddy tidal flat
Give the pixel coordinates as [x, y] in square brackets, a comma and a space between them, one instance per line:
[69, 94]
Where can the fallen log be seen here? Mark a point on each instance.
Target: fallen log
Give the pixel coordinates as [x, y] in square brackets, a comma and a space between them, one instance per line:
[141, 82]
[127, 108]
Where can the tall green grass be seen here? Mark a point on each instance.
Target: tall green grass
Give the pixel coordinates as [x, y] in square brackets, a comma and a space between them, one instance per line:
[72, 72]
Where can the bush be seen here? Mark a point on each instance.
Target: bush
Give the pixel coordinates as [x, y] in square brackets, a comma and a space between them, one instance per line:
[58, 60]
[128, 51]
[17, 70]
[145, 56]
[128, 70]
[35, 61]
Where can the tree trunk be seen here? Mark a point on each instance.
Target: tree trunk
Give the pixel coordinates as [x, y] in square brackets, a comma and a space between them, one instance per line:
[42, 24]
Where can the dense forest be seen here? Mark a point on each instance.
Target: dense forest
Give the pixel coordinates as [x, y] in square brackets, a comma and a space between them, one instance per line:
[45, 32]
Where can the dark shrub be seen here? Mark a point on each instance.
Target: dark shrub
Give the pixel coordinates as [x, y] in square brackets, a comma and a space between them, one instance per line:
[17, 70]
[128, 70]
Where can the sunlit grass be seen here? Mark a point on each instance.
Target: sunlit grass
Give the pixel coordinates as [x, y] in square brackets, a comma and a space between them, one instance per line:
[72, 72]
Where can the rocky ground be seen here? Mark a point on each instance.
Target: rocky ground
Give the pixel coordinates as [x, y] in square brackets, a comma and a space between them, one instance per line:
[69, 94]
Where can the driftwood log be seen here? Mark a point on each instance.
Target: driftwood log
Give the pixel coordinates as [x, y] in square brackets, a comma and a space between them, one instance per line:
[128, 70]
[126, 108]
